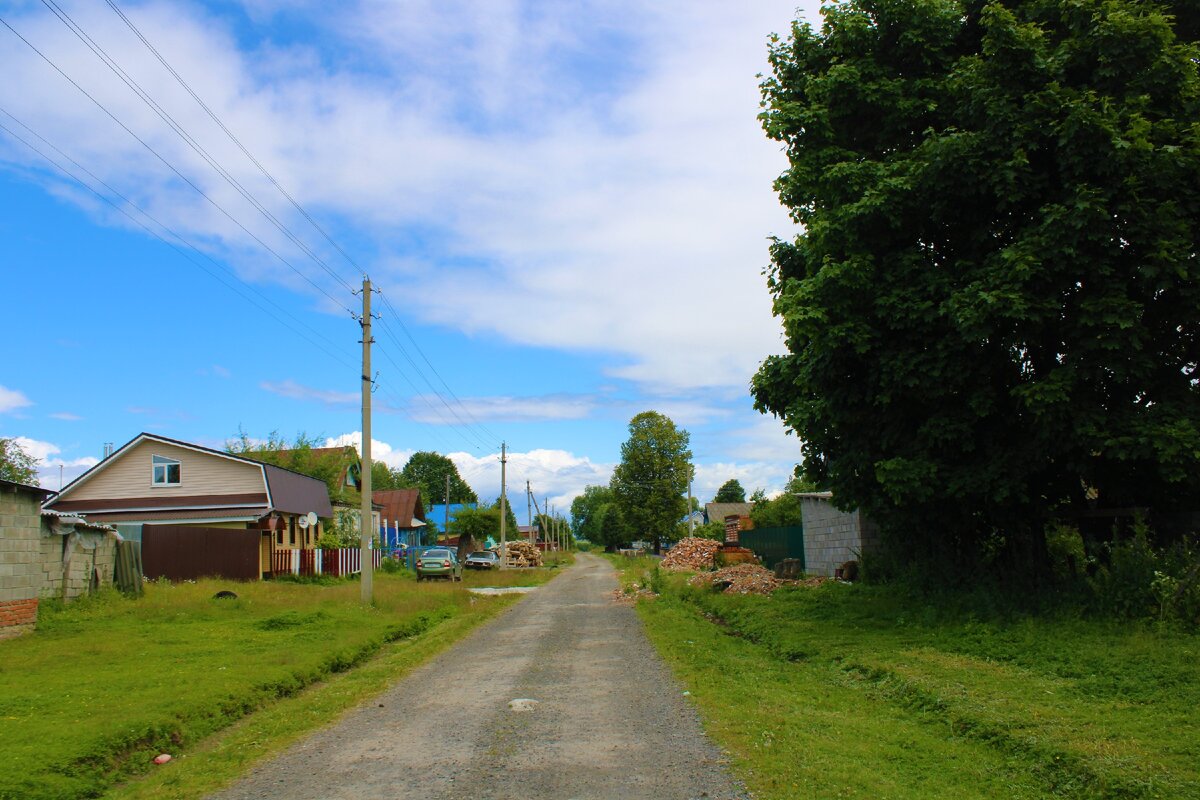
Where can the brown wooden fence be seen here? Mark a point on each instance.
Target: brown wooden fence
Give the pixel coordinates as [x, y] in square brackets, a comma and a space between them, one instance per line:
[185, 552]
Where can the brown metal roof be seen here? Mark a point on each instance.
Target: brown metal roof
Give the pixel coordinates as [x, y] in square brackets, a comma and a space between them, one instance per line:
[293, 493]
[399, 505]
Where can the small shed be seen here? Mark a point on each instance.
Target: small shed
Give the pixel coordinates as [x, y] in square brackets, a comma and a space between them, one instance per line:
[832, 536]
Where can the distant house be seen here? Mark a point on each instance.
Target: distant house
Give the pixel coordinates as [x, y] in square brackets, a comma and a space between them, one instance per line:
[697, 518]
[719, 512]
[46, 554]
[438, 515]
[154, 480]
[402, 516]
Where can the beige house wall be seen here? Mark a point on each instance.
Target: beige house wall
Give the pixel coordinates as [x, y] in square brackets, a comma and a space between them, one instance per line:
[131, 475]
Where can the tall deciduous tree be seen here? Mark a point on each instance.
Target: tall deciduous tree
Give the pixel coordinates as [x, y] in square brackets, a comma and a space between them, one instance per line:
[991, 313]
[15, 464]
[650, 483]
[586, 512]
[427, 471]
[731, 491]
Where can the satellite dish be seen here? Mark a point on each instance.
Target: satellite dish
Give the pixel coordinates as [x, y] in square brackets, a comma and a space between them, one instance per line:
[302, 522]
[312, 519]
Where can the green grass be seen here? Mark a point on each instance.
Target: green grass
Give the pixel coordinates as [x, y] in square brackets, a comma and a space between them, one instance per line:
[106, 683]
[855, 691]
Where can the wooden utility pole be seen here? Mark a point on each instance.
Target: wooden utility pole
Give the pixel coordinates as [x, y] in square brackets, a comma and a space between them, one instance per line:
[446, 511]
[691, 511]
[366, 576]
[503, 511]
[528, 510]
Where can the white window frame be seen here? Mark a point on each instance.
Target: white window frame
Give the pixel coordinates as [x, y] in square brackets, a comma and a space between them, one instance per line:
[158, 462]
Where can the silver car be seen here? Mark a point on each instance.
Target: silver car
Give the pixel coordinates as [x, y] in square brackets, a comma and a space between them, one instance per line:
[482, 559]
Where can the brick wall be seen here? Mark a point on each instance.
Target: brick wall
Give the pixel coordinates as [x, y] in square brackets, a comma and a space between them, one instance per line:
[20, 560]
[833, 537]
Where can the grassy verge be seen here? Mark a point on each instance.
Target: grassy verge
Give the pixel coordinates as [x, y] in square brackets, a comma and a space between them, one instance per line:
[851, 691]
[107, 683]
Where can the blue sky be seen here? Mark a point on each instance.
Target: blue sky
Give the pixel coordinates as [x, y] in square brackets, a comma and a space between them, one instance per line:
[566, 205]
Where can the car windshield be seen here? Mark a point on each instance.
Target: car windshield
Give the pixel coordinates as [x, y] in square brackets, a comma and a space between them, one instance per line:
[436, 554]
[482, 555]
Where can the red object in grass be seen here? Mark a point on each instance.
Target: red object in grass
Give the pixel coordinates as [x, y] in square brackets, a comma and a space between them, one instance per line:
[162, 758]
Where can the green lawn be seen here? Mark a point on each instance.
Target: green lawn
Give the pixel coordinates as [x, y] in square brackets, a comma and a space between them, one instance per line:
[854, 691]
[106, 683]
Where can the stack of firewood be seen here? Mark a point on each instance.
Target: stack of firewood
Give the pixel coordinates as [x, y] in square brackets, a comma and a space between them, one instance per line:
[521, 554]
[691, 554]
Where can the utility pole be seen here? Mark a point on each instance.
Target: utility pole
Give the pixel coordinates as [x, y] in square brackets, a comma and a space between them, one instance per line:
[367, 523]
[503, 510]
[446, 511]
[528, 510]
[691, 512]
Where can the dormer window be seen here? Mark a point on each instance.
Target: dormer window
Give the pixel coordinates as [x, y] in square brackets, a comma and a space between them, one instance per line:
[166, 471]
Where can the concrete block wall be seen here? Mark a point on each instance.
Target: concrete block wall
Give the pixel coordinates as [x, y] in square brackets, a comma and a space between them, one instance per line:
[20, 561]
[833, 537]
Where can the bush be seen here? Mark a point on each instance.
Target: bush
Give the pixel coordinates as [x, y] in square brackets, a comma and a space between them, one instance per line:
[391, 566]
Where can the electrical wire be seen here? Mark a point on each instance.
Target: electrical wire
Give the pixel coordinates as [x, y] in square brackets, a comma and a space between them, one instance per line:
[188, 139]
[172, 167]
[216, 276]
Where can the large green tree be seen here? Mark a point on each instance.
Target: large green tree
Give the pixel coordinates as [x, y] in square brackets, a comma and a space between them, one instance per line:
[586, 512]
[650, 484]
[731, 491]
[15, 464]
[990, 315]
[427, 471]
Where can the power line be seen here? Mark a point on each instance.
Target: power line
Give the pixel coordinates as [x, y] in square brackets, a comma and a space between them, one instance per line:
[216, 276]
[420, 352]
[188, 139]
[215, 118]
[172, 167]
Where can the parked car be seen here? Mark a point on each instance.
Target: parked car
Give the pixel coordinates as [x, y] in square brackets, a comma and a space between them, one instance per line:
[482, 559]
[438, 562]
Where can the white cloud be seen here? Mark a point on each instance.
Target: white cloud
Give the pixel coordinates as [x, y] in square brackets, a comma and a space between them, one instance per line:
[430, 409]
[66, 416]
[380, 450]
[48, 465]
[296, 391]
[623, 208]
[11, 400]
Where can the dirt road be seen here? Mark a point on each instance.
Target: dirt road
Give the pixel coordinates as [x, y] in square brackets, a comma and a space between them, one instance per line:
[609, 722]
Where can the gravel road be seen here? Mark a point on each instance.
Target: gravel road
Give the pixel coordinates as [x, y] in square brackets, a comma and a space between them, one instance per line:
[610, 721]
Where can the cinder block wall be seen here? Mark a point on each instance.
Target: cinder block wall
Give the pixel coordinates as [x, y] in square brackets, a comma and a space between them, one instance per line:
[102, 559]
[20, 561]
[833, 537]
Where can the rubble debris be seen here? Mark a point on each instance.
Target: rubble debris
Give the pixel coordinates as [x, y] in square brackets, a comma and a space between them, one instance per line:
[691, 553]
[521, 554]
[731, 554]
[739, 579]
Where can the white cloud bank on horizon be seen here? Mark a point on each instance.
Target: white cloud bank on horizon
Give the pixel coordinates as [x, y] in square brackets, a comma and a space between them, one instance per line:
[627, 213]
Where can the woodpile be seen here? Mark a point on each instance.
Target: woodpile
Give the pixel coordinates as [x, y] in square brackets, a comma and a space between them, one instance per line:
[739, 579]
[521, 554]
[691, 554]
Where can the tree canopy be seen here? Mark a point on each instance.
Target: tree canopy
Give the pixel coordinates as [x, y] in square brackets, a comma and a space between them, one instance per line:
[15, 464]
[730, 492]
[587, 510]
[990, 315]
[306, 455]
[427, 471]
[650, 484]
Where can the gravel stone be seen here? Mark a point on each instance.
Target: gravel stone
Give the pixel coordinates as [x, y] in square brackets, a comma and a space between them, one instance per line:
[611, 721]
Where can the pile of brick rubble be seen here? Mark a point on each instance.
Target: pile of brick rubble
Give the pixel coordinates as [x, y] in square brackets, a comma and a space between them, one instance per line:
[691, 554]
[739, 579]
